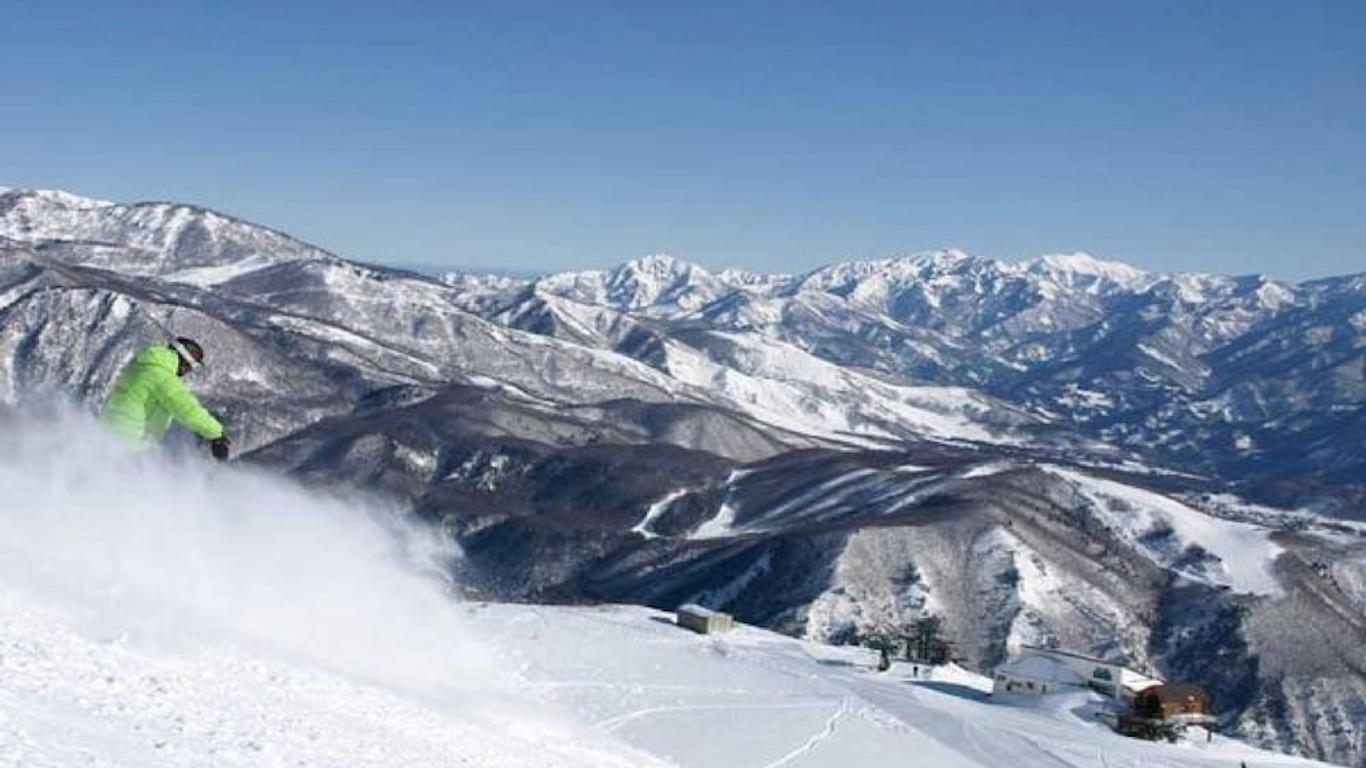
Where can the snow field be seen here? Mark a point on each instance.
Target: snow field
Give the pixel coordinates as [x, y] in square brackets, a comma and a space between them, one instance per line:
[782, 385]
[754, 699]
[1245, 552]
[160, 610]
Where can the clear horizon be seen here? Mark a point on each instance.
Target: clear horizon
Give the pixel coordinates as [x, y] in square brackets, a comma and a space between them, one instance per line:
[773, 137]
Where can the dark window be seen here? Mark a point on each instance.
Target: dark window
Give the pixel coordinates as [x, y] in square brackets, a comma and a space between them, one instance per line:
[1102, 673]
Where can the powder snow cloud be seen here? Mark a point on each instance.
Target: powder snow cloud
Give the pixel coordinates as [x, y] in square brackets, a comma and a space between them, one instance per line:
[168, 548]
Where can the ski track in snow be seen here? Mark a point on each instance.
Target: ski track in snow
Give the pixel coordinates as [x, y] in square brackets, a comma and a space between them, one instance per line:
[721, 524]
[614, 723]
[816, 740]
[644, 527]
[884, 489]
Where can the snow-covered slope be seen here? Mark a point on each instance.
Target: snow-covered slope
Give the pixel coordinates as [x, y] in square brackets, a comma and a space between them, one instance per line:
[782, 384]
[753, 698]
[1242, 554]
[181, 242]
[157, 611]
[160, 612]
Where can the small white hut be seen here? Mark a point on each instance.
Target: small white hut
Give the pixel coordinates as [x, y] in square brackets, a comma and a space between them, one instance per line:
[704, 620]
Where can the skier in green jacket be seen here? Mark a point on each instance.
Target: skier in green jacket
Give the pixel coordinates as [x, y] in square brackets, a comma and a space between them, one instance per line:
[149, 395]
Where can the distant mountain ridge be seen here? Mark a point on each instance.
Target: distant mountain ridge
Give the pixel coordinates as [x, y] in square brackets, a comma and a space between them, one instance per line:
[1135, 358]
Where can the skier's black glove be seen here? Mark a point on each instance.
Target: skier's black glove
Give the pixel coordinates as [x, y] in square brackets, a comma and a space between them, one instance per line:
[219, 448]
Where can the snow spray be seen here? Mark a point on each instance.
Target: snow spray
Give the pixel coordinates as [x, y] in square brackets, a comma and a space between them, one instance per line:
[168, 551]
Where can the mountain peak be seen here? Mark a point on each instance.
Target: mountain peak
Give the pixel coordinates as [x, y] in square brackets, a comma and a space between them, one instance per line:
[154, 238]
[941, 257]
[878, 275]
[657, 261]
[659, 265]
[1082, 263]
[55, 197]
[658, 278]
[655, 279]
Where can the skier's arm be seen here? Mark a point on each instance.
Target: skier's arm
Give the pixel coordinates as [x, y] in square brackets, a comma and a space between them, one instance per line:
[184, 407]
[158, 421]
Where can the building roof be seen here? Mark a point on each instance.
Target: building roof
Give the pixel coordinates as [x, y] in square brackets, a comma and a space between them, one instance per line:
[1117, 662]
[1128, 677]
[1137, 681]
[698, 610]
[1040, 669]
[1176, 692]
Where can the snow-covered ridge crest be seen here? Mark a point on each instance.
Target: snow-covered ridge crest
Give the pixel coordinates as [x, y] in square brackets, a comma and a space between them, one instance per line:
[663, 280]
[937, 267]
[656, 279]
[150, 238]
[58, 197]
[1076, 264]
[843, 276]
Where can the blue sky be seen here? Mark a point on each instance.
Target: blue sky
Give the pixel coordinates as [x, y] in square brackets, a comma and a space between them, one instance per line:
[1197, 135]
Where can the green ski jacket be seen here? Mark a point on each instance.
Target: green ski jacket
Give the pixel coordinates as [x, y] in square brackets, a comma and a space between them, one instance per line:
[148, 396]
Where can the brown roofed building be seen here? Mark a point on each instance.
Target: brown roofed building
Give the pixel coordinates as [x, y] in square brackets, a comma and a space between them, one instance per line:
[1172, 701]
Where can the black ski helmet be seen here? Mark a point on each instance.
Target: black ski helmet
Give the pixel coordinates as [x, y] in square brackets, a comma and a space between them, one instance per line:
[189, 351]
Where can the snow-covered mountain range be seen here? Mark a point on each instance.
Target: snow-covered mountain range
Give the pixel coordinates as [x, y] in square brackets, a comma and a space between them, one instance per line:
[1228, 376]
[1069, 450]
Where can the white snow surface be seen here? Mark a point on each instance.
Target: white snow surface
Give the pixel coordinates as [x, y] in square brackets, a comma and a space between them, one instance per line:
[1073, 268]
[207, 277]
[780, 384]
[754, 699]
[1244, 552]
[156, 233]
[645, 526]
[156, 610]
